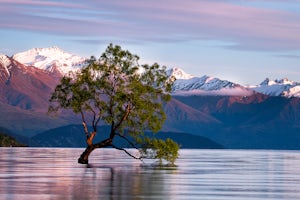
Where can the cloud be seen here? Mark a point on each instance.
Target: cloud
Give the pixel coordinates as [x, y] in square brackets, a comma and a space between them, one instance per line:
[293, 56]
[247, 27]
[40, 3]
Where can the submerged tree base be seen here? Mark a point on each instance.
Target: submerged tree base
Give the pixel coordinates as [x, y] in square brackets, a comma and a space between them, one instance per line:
[82, 161]
[84, 157]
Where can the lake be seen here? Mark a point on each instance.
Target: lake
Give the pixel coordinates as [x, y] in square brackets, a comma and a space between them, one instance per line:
[53, 173]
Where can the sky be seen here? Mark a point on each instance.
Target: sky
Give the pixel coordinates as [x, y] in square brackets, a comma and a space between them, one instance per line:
[244, 41]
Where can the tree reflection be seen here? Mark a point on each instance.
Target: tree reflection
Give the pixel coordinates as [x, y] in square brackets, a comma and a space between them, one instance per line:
[104, 182]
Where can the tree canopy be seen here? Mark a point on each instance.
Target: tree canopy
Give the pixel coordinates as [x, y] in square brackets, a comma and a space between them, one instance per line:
[117, 91]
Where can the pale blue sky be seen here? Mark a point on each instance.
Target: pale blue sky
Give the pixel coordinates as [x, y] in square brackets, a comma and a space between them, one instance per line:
[243, 41]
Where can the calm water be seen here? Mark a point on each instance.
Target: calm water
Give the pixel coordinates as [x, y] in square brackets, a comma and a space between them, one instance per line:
[33, 173]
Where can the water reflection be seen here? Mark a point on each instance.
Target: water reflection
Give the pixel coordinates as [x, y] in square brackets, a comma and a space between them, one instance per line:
[118, 183]
[33, 173]
[54, 174]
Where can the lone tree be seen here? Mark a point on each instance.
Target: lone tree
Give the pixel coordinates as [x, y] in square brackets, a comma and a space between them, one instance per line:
[117, 91]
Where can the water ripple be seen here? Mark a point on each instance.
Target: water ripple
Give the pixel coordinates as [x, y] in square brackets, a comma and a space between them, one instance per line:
[36, 173]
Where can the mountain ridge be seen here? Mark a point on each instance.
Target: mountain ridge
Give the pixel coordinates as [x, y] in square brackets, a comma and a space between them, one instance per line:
[278, 87]
[56, 61]
[188, 84]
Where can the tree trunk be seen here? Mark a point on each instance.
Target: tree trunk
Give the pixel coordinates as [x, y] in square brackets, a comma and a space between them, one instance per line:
[84, 157]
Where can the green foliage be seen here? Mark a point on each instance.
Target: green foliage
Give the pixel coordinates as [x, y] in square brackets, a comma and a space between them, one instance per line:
[161, 149]
[8, 141]
[117, 90]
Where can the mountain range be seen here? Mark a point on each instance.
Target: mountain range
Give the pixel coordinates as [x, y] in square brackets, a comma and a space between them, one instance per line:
[187, 84]
[227, 113]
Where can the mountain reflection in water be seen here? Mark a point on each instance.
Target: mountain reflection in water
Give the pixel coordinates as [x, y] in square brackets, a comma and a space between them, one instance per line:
[53, 173]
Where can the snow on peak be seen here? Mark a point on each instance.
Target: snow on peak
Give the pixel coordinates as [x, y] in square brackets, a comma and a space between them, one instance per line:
[187, 84]
[284, 81]
[278, 87]
[179, 73]
[201, 83]
[50, 59]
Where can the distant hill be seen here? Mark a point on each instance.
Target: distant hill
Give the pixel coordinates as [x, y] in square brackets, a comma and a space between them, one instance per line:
[73, 136]
[251, 122]
[20, 140]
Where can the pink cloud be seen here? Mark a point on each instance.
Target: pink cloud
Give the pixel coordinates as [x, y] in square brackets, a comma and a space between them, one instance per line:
[248, 27]
[169, 20]
[41, 3]
[226, 21]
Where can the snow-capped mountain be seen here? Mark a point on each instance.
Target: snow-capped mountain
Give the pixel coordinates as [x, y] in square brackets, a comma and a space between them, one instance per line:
[281, 87]
[54, 60]
[50, 59]
[187, 84]
[24, 87]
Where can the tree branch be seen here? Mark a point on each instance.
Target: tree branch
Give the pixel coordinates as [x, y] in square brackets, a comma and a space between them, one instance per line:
[94, 119]
[122, 149]
[86, 131]
[104, 143]
[90, 138]
[97, 120]
[131, 143]
[123, 118]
